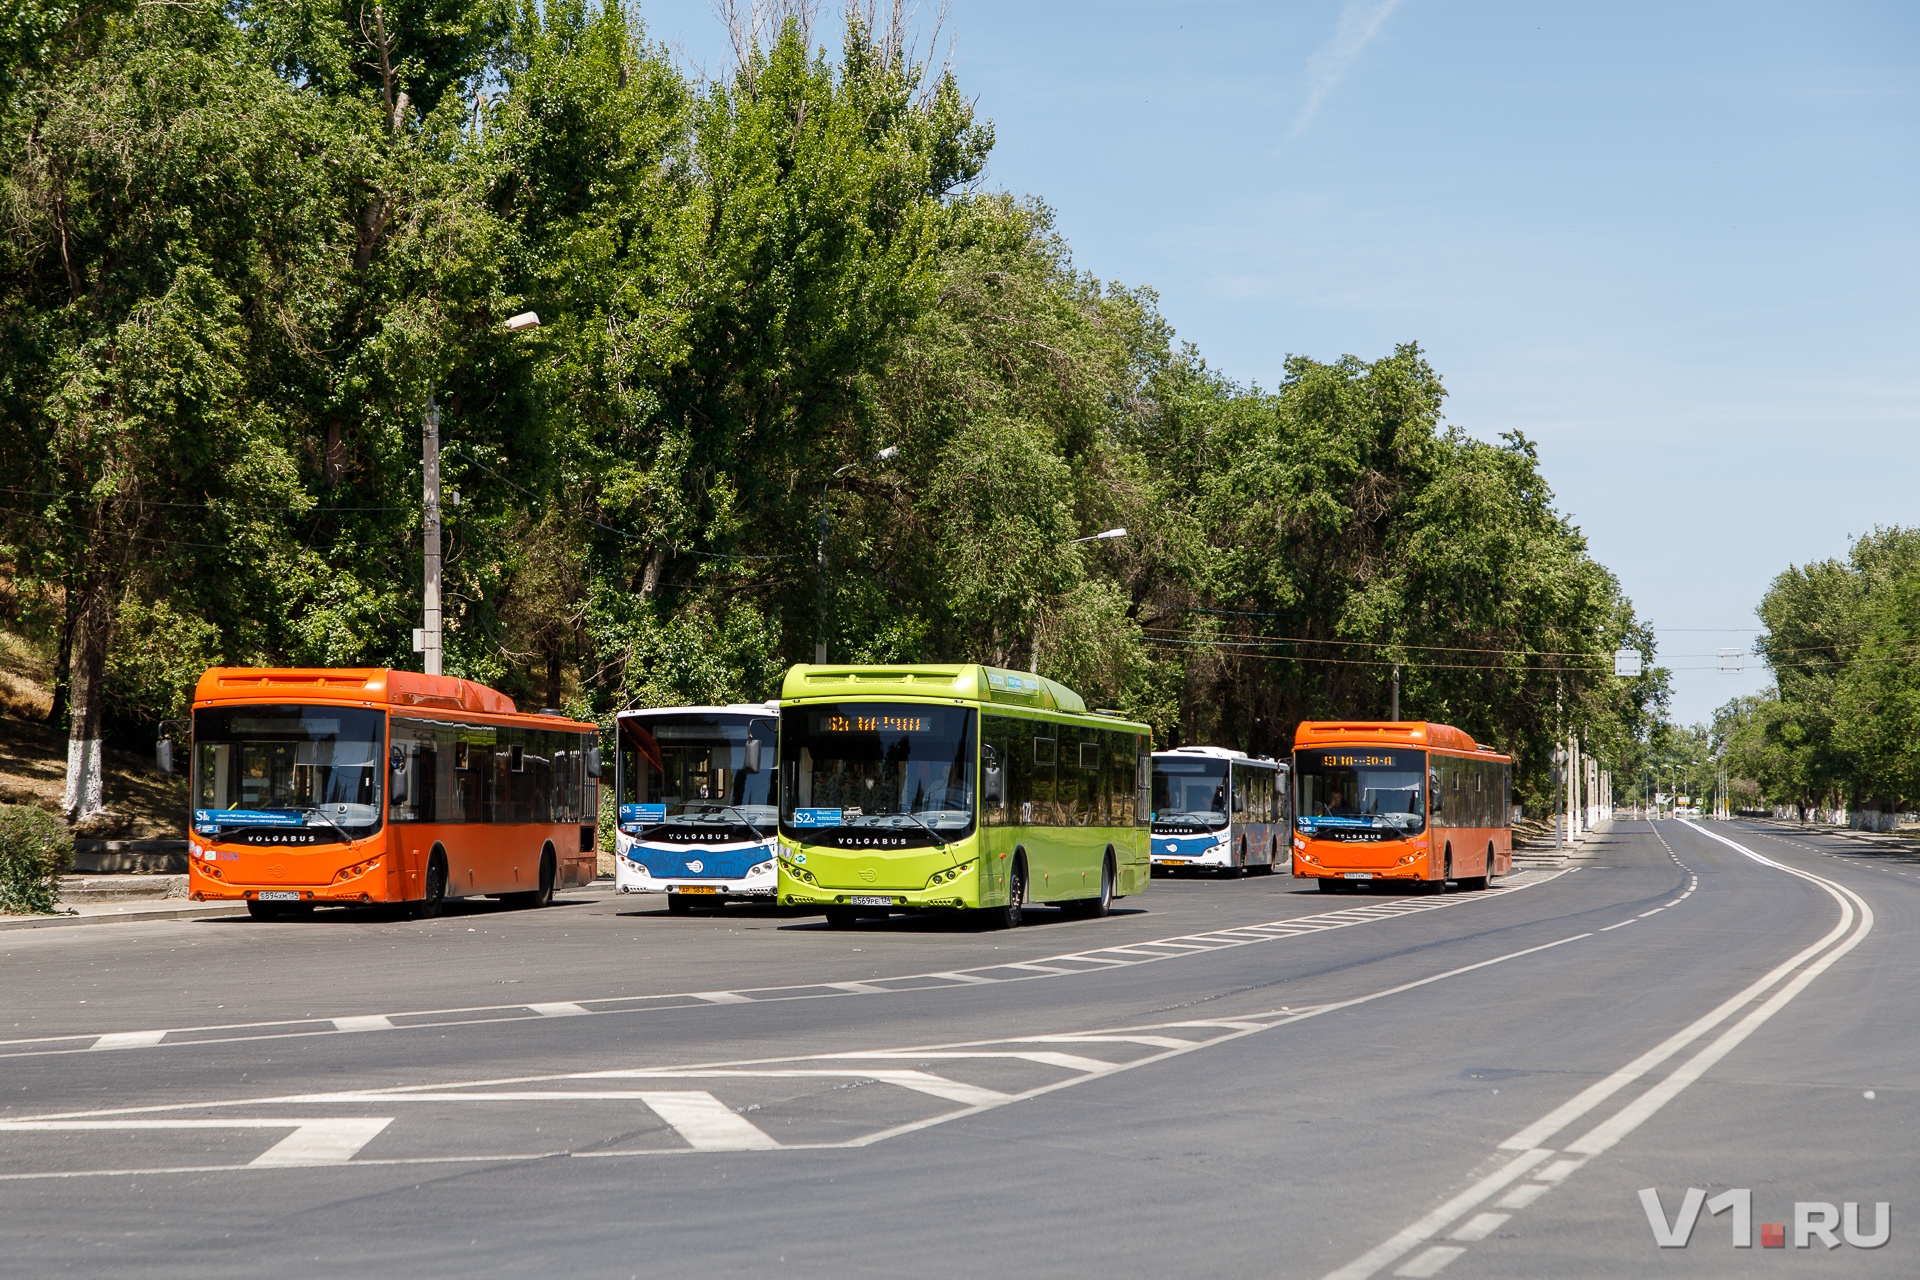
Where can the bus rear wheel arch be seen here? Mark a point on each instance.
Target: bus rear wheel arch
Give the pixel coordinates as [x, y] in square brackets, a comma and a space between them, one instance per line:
[1096, 908]
[1475, 883]
[542, 895]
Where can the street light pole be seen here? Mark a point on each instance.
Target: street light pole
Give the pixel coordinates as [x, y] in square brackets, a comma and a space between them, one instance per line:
[430, 469]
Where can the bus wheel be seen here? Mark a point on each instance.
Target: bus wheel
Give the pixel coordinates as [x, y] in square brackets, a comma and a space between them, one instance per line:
[677, 904]
[435, 897]
[1097, 908]
[1446, 874]
[842, 917]
[1008, 917]
[549, 872]
[1329, 885]
[1472, 884]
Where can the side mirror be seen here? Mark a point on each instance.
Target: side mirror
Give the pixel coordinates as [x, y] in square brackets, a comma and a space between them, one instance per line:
[397, 784]
[753, 752]
[593, 762]
[163, 754]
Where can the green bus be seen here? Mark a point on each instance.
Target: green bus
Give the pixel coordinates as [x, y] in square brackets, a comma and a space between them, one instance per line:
[956, 787]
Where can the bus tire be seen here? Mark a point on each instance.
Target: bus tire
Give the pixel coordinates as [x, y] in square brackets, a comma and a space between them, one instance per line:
[1473, 884]
[1009, 916]
[677, 904]
[1097, 908]
[842, 917]
[1446, 874]
[549, 873]
[433, 899]
[1329, 885]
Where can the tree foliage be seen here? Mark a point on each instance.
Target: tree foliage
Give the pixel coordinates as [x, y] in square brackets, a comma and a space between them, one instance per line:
[248, 241]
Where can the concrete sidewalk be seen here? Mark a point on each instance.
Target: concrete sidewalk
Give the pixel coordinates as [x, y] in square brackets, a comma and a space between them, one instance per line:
[123, 912]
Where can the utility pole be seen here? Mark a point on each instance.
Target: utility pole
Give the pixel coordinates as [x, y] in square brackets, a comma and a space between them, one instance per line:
[430, 457]
[1396, 691]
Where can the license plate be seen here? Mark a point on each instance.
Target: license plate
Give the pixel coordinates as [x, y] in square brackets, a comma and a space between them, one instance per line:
[279, 895]
[1358, 875]
[696, 888]
[870, 902]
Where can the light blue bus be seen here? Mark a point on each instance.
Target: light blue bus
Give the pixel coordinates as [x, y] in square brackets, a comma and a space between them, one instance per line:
[1219, 810]
[699, 803]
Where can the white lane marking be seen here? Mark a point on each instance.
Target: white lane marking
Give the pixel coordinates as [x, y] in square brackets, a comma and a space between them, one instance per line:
[1810, 963]
[1644, 914]
[1432, 1261]
[1610, 928]
[1598, 1092]
[366, 1022]
[856, 988]
[1157, 1042]
[1522, 1196]
[1297, 926]
[313, 1142]
[1424, 1229]
[559, 1009]
[1481, 1225]
[1630, 1117]
[128, 1040]
[1232, 1029]
[707, 1123]
[1557, 1172]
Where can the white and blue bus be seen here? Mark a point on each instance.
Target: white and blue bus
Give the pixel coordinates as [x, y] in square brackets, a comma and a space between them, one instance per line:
[699, 803]
[1219, 810]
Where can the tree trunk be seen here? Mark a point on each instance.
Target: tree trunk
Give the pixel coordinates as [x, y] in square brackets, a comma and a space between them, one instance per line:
[650, 578]
[93, 620]
[553, 678]
[63, 661]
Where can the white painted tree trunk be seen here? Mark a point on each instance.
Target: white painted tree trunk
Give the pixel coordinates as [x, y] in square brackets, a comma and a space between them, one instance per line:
[86, 782]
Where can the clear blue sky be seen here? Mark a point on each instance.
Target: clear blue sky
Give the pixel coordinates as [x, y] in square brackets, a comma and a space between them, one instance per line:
[1673, 243]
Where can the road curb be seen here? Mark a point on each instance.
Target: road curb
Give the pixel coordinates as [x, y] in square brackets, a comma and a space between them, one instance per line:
[123, 917]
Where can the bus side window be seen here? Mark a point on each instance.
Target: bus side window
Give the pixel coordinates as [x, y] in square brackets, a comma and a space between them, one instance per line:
[1046, 751]
[1119, 776]
[1143, 780]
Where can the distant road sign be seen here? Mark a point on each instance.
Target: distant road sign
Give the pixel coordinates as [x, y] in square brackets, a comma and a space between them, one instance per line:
[1732, 659]
[1626, 662]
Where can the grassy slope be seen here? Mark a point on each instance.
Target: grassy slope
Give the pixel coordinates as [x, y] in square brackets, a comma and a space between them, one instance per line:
[142, 802]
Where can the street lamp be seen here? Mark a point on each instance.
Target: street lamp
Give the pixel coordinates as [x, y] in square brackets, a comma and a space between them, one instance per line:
[426, 641]
[887, 454]
[1103, 535]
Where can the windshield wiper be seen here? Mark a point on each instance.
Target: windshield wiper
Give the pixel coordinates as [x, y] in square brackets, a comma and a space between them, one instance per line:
[341, 831]
[745, 821]
[924, 826]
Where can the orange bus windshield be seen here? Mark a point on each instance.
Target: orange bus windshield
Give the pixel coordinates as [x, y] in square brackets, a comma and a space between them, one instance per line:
[1349, 789]
[289, 765]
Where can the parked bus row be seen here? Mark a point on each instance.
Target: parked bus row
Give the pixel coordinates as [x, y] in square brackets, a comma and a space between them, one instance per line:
[859, 791]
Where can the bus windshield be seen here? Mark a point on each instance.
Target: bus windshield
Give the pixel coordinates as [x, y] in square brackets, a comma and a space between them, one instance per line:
[277, 766]
[1189, 795]
[697, 776]
[1360, 789]
[902, 768]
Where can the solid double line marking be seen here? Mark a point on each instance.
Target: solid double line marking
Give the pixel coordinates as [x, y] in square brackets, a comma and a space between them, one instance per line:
[1785, 981]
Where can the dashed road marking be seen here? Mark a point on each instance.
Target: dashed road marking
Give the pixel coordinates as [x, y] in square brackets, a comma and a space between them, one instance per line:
[1093, 960]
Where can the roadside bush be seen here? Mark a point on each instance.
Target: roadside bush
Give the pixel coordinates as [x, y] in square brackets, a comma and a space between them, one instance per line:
[35, 848]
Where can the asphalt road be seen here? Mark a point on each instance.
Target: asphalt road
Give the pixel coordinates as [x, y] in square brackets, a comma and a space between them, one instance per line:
[1222, 1079]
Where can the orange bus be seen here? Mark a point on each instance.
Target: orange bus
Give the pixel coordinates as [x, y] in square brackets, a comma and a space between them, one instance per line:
[316, 787]
[1378, 800]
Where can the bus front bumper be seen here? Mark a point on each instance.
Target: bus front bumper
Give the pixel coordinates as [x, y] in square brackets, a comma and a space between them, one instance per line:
[962, 891]
[371, 885]
[630, 876]
[1392, 862]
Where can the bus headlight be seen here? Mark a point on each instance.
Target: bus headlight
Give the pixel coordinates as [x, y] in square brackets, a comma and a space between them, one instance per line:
[949, 875]
[760, 868]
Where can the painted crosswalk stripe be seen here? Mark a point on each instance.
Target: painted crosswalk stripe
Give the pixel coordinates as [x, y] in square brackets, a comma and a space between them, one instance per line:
[559, 1009]
[707, 1123]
